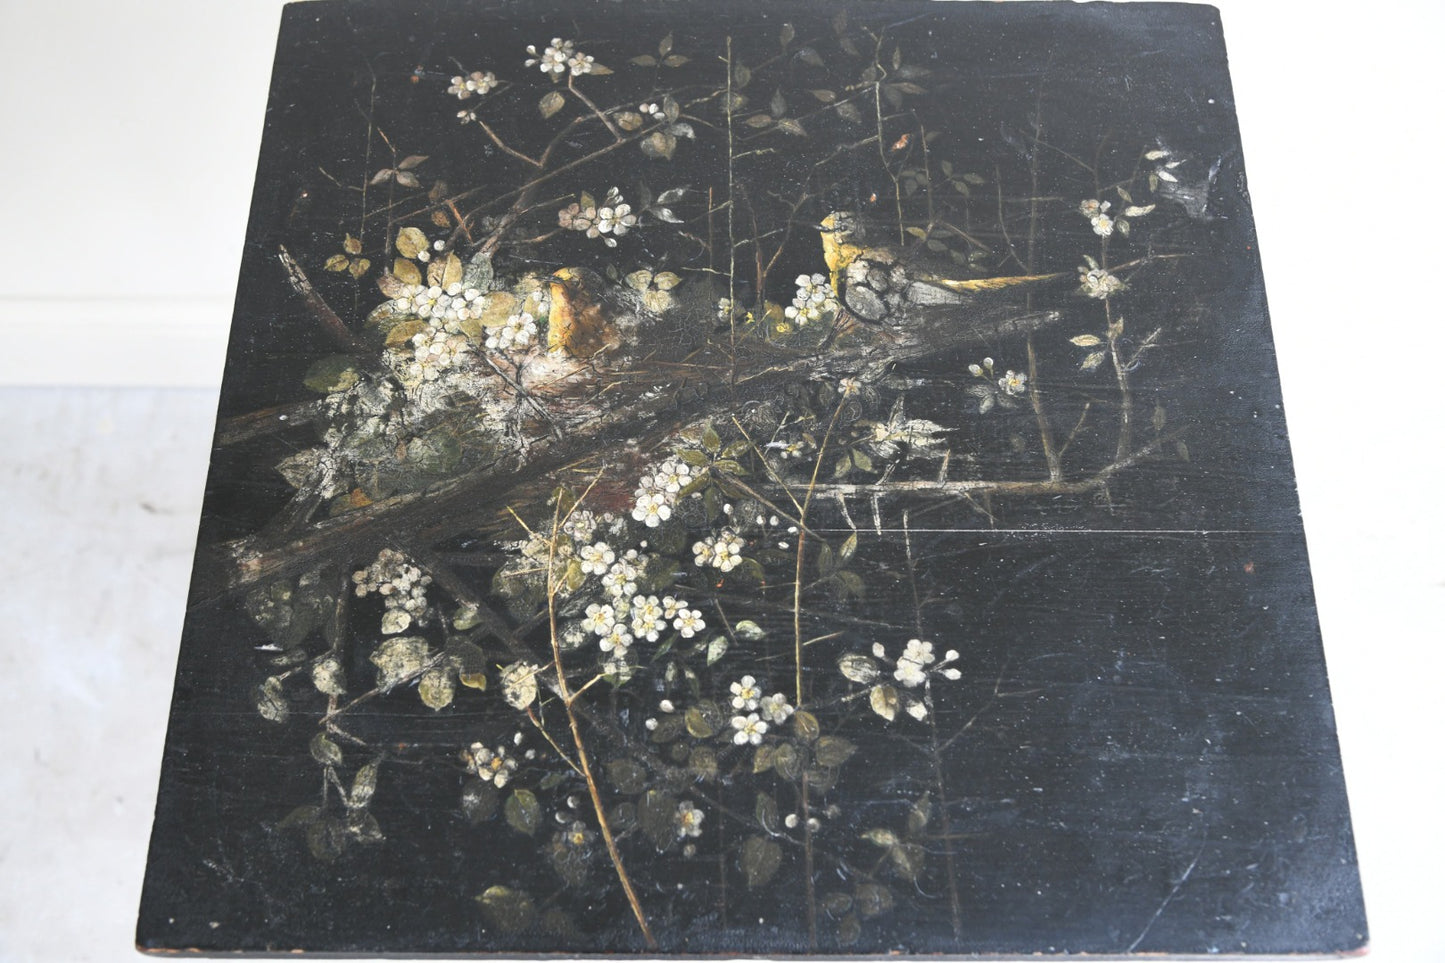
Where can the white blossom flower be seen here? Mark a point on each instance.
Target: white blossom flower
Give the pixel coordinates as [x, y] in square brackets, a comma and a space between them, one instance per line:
[671, 607]
[518, 331]
[746, 694]
[673, 475]
[600, 619]
[912, 666]
[1014, 383]
[616, 640]
[492, 765]
[749, 729]
[554, 59]
[650, 110]
[580, 63]
[621, 579]
[775, 708]
[647, 620]
[596, 559]
[476, 82]
[652, 509]
[689, 820]
[689, 623]
[1103, 224]
[703, 552]
[617, 220]
[1099, 283]
[727, 551]
[1092, 208]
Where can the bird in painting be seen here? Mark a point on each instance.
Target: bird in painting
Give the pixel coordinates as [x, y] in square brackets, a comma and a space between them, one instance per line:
[879, 284]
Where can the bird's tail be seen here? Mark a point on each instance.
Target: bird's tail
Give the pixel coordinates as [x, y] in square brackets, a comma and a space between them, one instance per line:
[975, 285]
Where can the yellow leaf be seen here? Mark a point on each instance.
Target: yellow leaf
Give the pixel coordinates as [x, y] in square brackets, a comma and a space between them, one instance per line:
[406, 271]
[351, 245]
[666, 281]
[404, 332]
[551, 102]
[639, 280]
[434, 272]
[337, 262]
[452, 270]
[629, 120]
[497, 307]
[359, 267]
[410, 242]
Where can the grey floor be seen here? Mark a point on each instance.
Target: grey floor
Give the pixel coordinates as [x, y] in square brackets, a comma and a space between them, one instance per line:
[101, 496]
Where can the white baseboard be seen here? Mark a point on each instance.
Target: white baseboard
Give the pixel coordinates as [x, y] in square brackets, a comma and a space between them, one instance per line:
[164, 343]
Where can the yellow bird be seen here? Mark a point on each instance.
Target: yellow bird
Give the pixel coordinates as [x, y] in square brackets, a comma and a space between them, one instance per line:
[877, 285]
[582, 319]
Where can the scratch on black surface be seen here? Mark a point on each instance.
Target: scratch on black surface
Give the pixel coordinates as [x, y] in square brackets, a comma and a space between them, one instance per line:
[1173, 892]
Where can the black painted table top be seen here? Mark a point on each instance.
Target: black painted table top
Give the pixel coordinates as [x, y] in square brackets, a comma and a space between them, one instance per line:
[751, 479]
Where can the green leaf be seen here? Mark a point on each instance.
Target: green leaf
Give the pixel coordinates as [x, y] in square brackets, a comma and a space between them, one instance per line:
[806, 725]
[787, 761]
[659, 145]
[328, 677]
[326, 838]
[872, 899]
[479, 800]
[398, 659]
[645, 60]
[519, 684]
[698, 724]
[833, 750]
[716, 649]
[760, 860]
[437, 688]
[702, 763]
[271, 702]
[676, 60]
[827, 561]
[551, 102]
[1085, 340]
[509, 910]
[763, 759]
[324, 751]
[881, 837]
[363, 787]
[335, 372]
[766, 812]
[908, 860]
[523, 811]
[627, 776]
[918, 815]
[858, 668]
[884, 700]
[299, 817]
[657, 815]
[749, 631]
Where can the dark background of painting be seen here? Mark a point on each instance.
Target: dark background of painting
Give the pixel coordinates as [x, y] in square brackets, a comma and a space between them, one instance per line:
[1173, 715]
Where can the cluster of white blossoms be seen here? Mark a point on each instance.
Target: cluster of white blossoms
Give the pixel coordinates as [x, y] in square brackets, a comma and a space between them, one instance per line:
[761, 711]
[625, 620]
[433, 352]
[492, 765]
[476, 82]
[1098, 214]
[658, 490]
[722, 551]
[612, 217]
[400, 583]
[813, 302]
[444, 307]
[652, 110]
[1096, 282]
[518, 331]
[560, 57]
